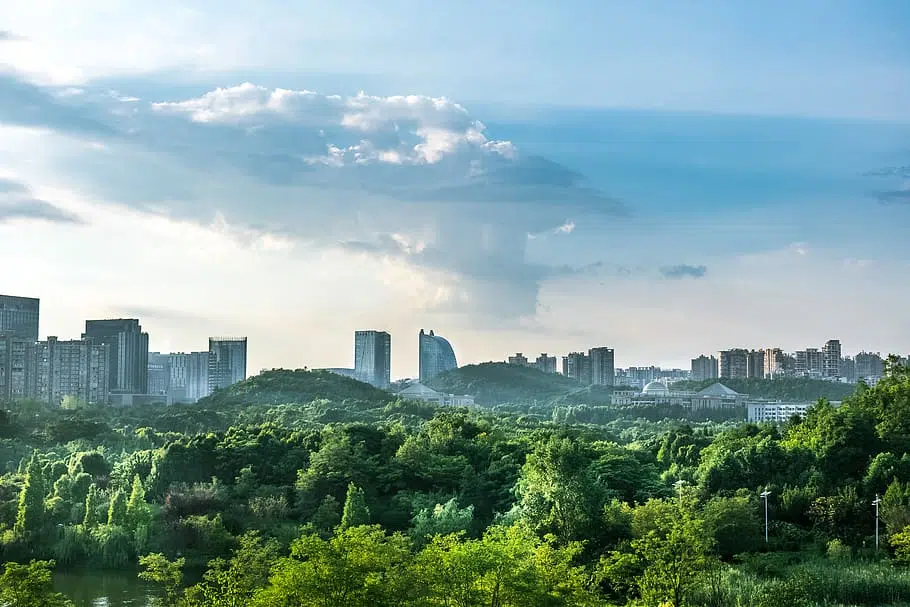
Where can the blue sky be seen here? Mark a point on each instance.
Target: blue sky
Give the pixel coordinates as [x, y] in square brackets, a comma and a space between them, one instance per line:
[665, 178]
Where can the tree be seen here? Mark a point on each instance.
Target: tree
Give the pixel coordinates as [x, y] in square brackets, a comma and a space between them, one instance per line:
[671, 551]
[30, 586]
[360, 566]
[355, 511]
[30, 514]
[116, 512]
[167, 575]
[232, 583]
[327, 516]
[138, 513]
[443, 519]
[91, 508]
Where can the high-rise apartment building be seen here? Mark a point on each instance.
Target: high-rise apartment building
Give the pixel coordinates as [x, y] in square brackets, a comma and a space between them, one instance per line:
[128, 348]
[546, 363]
[602, 366]
[775, 363]
[227, 362]
[755, 367]
[17, 358]
[832, 356]
[733, 363]
[519, 359]
[869, 366]
[810, 362]
[704, 367]
[436, 355]
[73, 368]
[848, 369]
[373, 358]
[159, 374]
[577, 366]
[19, 316]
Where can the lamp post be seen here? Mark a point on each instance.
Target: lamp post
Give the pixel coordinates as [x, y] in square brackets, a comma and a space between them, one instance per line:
[876, 502]
[764, 495]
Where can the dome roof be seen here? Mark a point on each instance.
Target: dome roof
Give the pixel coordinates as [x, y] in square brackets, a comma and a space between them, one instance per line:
[655, 387]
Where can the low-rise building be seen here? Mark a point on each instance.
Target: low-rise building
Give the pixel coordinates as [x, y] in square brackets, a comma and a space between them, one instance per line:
[418, 391]
[775, 412]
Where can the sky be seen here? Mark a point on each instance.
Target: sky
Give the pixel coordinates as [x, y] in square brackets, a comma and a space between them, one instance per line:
[667, 179]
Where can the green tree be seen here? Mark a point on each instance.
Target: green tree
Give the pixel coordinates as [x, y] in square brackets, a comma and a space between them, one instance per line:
[358, 567]
[30, 585]
[30, 514]
[327, 516]
[671, 550]
[355, 510]
[443, 519]
[91, 508]
[895, 507]
[166, 575]
[232, 583]
[116, 512]
[138, 512]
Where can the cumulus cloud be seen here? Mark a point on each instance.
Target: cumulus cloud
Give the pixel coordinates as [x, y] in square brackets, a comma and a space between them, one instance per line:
[18, 203]
[683, 271]
[362, 173]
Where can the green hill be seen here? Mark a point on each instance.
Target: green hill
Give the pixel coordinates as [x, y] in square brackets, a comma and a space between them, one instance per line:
[784, 388]
[282, 386]
[501, 383]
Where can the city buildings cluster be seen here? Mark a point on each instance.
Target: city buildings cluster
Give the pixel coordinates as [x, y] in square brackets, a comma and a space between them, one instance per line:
[826, 362]
[109, 364]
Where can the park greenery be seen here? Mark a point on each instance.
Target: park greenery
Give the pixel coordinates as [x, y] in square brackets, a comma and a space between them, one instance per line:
[307, 488]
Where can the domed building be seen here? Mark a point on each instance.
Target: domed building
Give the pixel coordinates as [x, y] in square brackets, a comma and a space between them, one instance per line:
[656, 388]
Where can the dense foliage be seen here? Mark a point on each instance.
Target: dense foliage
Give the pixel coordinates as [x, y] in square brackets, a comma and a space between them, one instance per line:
[502, 383]
[343, 498]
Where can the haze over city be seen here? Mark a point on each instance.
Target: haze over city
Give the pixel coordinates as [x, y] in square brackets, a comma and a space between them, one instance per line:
[513, 176]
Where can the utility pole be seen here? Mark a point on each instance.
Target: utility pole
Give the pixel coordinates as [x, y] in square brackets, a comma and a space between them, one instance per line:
[876, 502]
[764, 495]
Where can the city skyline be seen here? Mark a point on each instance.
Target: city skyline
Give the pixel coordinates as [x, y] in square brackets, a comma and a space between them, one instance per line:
[673, 181]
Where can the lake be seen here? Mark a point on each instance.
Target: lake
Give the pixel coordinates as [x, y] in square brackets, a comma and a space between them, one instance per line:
[103, 589]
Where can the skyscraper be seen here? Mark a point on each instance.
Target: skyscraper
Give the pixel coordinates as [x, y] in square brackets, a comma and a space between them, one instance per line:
[602, 367]
[128, 349]
[159, 374]
[775, 362]
[373, 358]
[19, 316]
[436, 355]
[17, 358]
[227, 362]
[704, 367]
[810, 362]
[189, 380]
[831, 353]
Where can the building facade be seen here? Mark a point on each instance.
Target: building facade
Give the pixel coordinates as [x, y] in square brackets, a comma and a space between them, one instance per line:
[733, 363]
[546, 363]
[775, 413]
[869, 366]
[19, 316]
[435, 355]
[373, 358]
[17, 358]
[704, 367]
[418, 391]
[755, 364]
[519, 359]
[577, 366]
[76, 368]
[159, 374]
[603, 370]
[831, 359]
[128, 349]
[810, 362]
[227, 362]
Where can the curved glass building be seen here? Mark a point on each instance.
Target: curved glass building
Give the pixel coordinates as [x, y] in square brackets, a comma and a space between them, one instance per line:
[436, 355]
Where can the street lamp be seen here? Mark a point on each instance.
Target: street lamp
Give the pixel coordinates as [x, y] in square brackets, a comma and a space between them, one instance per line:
[764, 495]
[876, 502]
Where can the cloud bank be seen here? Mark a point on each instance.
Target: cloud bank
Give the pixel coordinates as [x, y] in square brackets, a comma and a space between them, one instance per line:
[413, 178]
[683, 271]
[18, 203]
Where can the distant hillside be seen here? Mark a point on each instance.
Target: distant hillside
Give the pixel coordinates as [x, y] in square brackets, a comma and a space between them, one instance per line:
[283, 386]
[500, 383]
[784, 388]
